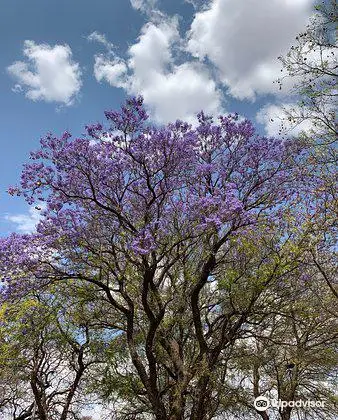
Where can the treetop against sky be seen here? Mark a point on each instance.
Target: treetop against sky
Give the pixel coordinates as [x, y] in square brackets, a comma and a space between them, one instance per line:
[65, 62]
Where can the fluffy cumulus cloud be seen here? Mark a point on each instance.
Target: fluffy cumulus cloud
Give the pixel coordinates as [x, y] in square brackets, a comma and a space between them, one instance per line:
[243, 38]
[25, 223]
[182, 93]
[171, 89]
[276, 120]
[231, 47]
[112, 70]
[48, 74]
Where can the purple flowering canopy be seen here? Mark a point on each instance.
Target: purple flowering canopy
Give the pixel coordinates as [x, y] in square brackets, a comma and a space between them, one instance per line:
[149, 215]
[143, 190]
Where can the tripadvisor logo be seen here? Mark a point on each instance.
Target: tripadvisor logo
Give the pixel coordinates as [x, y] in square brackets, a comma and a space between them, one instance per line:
[263, 403]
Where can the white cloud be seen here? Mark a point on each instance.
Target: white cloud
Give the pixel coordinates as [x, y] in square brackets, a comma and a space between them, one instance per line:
[277, 120]
[231, 43]
[17, 88]
[143, 5]
[195, 3]
[181, 93]
[243, 38]
[108, 67]
[152, 53]
[112, 70]
[171, 90]
[26, 223]
[49, 74]
[100, 38]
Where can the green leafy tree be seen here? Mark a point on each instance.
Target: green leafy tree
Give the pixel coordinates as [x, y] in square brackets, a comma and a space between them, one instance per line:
[311, 64]
[46, 353]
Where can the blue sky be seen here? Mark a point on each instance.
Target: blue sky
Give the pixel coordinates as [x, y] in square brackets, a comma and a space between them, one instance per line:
[64, 62]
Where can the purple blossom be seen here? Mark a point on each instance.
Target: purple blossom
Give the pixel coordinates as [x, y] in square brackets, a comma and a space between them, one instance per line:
[142, 192]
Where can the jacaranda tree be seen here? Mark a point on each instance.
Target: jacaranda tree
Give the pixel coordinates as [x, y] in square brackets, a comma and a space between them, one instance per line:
[178, 232]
